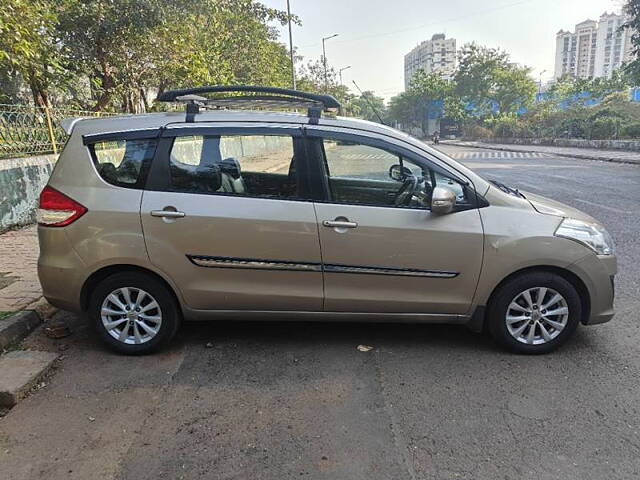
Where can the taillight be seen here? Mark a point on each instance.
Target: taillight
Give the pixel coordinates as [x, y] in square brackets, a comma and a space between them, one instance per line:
[58, 210]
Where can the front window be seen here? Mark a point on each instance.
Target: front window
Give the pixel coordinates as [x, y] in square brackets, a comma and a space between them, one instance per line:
[367, 175]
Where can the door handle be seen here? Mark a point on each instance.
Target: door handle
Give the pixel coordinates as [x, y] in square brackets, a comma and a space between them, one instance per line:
[167, 213]
[339, 224]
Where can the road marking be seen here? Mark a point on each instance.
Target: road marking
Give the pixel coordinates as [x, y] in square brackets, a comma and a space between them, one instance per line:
[496, 155]
[561, 177]
[612, 209]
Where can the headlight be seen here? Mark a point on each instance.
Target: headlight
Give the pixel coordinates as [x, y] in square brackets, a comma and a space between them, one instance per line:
[592, 235]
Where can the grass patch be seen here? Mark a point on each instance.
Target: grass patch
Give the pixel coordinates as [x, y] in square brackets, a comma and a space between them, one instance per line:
[5, 314]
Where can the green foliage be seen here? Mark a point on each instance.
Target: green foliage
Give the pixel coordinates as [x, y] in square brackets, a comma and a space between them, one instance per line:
[631, 130]
[368, 106]
[485, 78]
[28, 46]
[310, 78]
[485, 75]
[413, 107]
[569, 89]
[111, 54]
[614, 117]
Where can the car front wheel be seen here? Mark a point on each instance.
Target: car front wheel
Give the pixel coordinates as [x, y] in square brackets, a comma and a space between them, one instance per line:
[534, 313]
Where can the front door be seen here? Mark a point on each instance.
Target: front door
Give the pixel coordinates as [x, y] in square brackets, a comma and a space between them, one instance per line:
[382, 248]
[228, 219]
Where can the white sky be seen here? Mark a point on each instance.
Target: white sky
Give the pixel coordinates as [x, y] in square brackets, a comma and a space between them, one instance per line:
[374, 35]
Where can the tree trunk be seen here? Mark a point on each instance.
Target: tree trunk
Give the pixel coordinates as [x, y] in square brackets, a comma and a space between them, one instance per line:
[108, 81]
[39, 93]
[143, 96]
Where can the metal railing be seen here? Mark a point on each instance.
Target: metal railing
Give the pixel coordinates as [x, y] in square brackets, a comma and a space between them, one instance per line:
[27, 130]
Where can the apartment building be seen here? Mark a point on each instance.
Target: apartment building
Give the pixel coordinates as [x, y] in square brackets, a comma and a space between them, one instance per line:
[594, 48]
[437, 55]
[614, 47]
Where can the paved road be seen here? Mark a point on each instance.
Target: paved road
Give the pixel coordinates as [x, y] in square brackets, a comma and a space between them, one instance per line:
[277, 401]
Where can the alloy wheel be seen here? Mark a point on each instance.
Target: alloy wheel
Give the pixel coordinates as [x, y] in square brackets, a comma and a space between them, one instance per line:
[537, 315]
[131, 315]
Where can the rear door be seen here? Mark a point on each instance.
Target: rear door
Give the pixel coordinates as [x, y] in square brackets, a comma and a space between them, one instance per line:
[239, 238]
[381, 256]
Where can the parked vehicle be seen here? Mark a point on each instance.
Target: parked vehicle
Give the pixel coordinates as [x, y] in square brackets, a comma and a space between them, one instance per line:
[217, 214]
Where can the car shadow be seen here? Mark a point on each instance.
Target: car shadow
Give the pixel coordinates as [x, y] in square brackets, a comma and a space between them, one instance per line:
[279, 334]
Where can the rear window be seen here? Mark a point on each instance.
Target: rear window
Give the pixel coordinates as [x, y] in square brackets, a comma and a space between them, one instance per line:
[123, 162]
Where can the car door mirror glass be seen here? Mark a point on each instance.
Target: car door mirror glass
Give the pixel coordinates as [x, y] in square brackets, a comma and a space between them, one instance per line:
[399, 173]
[443, 200]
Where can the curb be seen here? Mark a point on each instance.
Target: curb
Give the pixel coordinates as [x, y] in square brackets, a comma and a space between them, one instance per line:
[583, 156]
[21, 371]
[16, 327]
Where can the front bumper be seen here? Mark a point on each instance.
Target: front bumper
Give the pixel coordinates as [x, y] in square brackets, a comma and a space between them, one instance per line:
[598, 272]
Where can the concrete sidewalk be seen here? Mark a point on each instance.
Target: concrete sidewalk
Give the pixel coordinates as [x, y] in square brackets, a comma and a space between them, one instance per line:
[616, 156]
[19, 285]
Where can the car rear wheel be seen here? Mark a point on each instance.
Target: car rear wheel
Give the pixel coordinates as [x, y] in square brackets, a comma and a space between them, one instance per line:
[134, 313]
[534, 313]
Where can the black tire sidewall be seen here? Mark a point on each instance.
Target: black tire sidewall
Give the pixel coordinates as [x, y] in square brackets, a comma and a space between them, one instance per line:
[507, 292]
[164, 297]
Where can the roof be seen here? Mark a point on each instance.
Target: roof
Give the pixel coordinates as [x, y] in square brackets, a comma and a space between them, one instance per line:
[157, 120]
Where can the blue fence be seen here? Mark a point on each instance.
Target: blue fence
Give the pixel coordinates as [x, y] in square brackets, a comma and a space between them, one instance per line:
[436, 109]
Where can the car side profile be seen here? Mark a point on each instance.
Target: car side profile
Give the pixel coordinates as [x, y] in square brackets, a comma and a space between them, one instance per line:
[249, 214]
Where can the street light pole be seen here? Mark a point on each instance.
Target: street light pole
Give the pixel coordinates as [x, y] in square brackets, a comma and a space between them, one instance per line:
[324, 59]
[293, 67]
[540, 83]
[342, 70]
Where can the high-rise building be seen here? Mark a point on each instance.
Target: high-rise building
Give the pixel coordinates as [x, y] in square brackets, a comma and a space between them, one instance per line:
[576, 51]
[614, 46]
[594, 49]
[437, 55]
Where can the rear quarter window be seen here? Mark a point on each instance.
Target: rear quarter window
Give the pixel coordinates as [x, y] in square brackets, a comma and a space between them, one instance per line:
[123, 162]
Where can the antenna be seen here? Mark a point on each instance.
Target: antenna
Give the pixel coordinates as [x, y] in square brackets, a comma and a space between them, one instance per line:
[369, 102]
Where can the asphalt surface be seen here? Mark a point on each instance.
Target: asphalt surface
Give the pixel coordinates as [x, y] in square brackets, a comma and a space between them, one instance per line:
[277, 401]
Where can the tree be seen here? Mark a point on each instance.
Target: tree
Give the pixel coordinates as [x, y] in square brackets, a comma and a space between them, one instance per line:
[112, 54]
[429, 91]
[369, 107]
[571, 90]
[223, 42]
[28, 46]
[402, 109]
[429, 96]
[488, 81]
[109, 41]
[311, 79]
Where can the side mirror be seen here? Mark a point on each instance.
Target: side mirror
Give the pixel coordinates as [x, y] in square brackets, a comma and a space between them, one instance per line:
[399, 173]
[443, 200]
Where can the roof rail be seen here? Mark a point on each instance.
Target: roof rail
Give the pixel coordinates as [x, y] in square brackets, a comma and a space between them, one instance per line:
[275, 96]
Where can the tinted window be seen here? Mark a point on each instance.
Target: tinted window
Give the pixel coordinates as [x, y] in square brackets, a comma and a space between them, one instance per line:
[248, 165]
[362, 174]
[121, 162]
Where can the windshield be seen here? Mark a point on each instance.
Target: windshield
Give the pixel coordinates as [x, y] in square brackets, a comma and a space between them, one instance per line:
[480, 183]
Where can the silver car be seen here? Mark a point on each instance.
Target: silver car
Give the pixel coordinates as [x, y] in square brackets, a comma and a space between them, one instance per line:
[225, 213]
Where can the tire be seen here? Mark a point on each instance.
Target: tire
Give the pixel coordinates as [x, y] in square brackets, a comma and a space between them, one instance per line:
[550, 330]
[149, 329]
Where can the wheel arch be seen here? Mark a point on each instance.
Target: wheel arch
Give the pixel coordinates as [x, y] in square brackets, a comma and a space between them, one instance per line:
[96, 277]
[478, 319]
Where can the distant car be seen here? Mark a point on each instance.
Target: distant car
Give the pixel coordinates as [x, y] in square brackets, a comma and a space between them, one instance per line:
[221, 214]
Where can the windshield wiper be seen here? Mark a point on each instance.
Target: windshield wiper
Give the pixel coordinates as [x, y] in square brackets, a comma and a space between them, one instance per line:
[506, 189]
